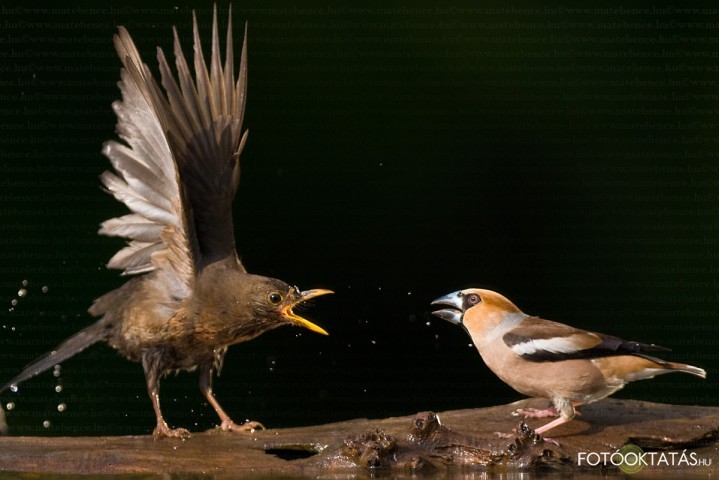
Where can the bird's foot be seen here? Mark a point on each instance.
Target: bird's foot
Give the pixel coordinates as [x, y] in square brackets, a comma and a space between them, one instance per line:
[249, 426]
[514, 435]
[535, 412]
[551, 440]
[163, 431]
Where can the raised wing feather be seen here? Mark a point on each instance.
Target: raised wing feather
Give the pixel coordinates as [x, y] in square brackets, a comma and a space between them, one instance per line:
[204, 131]
[178, 168]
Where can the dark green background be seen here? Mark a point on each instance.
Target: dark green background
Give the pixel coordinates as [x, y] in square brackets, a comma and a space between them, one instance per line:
[567, 159]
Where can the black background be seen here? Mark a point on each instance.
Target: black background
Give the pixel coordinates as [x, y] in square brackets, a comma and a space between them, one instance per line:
[567, 159]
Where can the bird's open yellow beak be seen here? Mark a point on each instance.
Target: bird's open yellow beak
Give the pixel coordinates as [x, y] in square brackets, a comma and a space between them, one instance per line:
[299, 321]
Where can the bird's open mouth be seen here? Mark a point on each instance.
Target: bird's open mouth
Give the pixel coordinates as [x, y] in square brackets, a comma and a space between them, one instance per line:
[302, 322]
[455, 312]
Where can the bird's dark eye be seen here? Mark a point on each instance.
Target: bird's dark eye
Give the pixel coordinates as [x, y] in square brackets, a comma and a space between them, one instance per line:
[473, 299]
[275, 298]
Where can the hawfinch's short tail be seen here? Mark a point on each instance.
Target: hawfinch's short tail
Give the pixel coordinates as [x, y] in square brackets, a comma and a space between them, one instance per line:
[682, 367]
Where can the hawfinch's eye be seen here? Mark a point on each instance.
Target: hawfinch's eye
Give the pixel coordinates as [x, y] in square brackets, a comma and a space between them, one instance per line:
[473, 299]
[275, 298]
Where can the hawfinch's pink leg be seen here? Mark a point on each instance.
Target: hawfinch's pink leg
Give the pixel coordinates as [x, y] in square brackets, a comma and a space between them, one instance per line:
[551, 425]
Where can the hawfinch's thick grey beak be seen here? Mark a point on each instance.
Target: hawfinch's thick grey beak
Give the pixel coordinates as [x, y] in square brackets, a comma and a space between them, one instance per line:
[453, 314]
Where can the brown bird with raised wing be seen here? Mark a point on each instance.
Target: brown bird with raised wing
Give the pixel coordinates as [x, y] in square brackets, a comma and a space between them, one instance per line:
[177, 171]
[546, 359]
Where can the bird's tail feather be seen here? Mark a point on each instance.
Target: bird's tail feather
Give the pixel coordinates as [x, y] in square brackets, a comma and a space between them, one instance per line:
[682, 367]
[73, 345]
[676, 367]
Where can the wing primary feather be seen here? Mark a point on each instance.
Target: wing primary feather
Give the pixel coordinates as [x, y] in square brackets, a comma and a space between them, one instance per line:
[174, 95]
[215, 71]
[189, 94]
[132, 226]
[229, 71]
[241, 86]
[202, 78]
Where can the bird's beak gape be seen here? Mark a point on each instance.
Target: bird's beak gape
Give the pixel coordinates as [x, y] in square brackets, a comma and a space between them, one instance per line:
[292, 317]
[453, 314]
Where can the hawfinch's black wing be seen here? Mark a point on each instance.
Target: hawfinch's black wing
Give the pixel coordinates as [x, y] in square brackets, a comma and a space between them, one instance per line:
[540, 340]
[178, 168]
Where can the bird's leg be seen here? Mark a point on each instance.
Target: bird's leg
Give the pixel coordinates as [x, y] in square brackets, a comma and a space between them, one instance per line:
[153, 389]
[226, 422]
[563, 409]
[566, 413]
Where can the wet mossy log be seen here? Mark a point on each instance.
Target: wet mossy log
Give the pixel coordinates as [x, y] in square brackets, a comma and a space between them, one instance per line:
[418, 443]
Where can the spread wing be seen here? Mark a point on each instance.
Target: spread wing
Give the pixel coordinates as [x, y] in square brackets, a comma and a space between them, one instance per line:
[178, 168]
[539, 340]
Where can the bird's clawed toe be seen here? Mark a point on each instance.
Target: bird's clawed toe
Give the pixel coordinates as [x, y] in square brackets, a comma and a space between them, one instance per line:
[535, 412]
[249, 426]
[163, 431]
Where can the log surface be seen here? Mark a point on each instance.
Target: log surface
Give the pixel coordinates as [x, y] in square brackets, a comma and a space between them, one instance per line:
[462, 438]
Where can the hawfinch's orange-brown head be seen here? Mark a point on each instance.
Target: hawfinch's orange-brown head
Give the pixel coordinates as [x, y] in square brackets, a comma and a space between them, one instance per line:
[475, 309]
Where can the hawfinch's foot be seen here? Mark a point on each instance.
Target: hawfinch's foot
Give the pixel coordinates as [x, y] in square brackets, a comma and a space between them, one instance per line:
[535, 412]
[551, 440]
[514, 435]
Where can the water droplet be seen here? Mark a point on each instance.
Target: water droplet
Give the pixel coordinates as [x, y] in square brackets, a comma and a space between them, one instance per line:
[56, 373]
[61, 407]
[46, 424]
[470, 345]
[374, 342]
[428, 324]
[409, 293]
[13, 388]
[12, 329]
[13, 302]
[44, 289]
[10, 406]
[58, 388]
[24, 283]
[21, 293]
[10, 310]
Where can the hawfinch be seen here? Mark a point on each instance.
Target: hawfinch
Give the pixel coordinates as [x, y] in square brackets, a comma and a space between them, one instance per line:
[546, 359]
